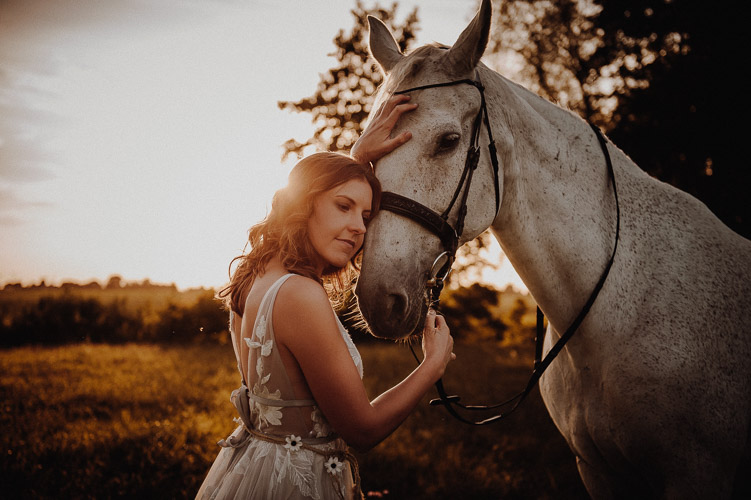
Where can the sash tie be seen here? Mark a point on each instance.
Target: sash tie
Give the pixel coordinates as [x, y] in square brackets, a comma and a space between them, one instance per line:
[241, 402]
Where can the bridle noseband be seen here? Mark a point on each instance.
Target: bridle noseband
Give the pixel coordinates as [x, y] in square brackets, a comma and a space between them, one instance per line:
[449, 236]
[438, 223]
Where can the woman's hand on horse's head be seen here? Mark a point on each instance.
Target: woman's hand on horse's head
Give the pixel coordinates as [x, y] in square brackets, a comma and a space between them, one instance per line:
[437, 342]
[376, 140]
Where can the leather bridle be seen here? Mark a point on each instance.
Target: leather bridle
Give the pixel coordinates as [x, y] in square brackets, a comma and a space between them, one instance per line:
[450, 236]
[438, 223]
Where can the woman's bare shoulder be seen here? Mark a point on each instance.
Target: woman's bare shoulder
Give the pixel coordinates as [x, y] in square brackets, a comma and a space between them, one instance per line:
[301, 298]
[300, 291]
[303, 301]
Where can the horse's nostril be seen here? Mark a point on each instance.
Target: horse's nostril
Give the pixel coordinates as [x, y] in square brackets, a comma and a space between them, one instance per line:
[396, 306]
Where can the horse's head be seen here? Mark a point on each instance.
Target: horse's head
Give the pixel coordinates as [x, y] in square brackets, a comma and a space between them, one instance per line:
[399, 252]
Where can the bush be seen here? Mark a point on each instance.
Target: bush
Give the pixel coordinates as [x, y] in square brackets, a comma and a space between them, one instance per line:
[56, 320]
[470, 310]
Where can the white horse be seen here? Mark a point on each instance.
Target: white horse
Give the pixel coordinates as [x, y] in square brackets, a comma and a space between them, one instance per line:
[653, 392]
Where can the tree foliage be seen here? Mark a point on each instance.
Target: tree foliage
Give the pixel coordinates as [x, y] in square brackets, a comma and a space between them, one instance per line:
[343, 99]
[471, 260]
[656, 74]
[470, 313]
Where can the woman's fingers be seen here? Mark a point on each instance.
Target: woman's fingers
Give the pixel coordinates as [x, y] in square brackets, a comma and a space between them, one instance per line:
[391, 144]
[392, 103]
[442, 326]
[440, 321]
[437, 342]
[396, 113]
[430, 321]
[402, 108]
[376, 140]
[391, 114]
[403, 137]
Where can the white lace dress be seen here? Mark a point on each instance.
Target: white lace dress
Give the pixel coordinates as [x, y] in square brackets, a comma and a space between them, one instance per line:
[283, 447]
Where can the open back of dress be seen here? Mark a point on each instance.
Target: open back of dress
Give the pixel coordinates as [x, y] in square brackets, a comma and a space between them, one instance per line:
[283, 447]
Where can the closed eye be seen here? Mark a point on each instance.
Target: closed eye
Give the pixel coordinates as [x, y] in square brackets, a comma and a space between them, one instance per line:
[447, 142]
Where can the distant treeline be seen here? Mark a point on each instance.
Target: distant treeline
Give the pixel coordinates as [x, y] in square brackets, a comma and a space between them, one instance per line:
[114, 282]
[67, 318]
[148, 313]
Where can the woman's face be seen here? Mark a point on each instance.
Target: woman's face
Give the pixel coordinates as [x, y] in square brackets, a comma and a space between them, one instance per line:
[337, 226]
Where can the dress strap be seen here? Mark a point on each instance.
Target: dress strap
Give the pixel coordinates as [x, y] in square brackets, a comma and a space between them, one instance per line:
[267, 302]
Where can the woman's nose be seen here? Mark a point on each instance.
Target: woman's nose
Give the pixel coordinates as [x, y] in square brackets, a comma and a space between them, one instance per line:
[357, 225]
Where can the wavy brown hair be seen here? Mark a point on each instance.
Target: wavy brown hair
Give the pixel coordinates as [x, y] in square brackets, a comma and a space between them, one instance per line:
[284, 231]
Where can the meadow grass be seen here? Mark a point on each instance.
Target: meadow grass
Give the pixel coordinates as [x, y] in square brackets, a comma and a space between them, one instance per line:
[142, 421]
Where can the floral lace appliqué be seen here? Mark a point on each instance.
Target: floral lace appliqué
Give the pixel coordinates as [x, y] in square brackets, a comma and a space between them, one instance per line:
[267, 415]
[261, 327]
[321, 426]
[298, 469]
[260, 333]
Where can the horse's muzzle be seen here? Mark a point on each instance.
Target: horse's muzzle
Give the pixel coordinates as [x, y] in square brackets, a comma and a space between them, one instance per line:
[390, 314]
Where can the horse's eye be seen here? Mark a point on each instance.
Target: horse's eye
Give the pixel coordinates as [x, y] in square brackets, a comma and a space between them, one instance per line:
[448, 141]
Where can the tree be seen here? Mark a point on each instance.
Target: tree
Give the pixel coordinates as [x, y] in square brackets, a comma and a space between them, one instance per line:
[471, 313]
[345, 94]
[655, 74]
[114, 282]
[556, 42]
[470, 261]
[682, 128]
[518, 312]
[575, 53]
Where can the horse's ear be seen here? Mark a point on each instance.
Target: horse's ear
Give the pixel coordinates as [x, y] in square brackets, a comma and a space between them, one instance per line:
[469, 47]
[382, 45]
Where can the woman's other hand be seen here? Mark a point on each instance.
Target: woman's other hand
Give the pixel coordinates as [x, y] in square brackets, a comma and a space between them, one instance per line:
[376, 141]
[437, 342]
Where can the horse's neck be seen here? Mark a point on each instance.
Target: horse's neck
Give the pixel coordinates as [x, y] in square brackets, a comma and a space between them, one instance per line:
[557, 219]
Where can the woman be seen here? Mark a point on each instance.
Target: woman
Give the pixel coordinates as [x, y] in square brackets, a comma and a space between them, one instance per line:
[302, 398]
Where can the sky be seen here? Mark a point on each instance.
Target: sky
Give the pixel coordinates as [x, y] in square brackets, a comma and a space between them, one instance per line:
[142, 137]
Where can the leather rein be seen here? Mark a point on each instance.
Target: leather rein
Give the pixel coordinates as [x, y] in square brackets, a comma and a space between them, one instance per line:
[450, 235]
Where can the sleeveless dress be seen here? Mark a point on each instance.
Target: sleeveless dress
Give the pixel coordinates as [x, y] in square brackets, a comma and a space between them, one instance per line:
[283, 447]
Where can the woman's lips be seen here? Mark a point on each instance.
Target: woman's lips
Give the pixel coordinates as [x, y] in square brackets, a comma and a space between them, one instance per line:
[349, 243]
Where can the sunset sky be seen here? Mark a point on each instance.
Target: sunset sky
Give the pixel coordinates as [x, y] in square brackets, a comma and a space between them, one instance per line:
[142, 137]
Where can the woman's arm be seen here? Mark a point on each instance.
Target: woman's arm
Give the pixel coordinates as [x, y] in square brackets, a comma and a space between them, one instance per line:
[376, 140]
[305, 325]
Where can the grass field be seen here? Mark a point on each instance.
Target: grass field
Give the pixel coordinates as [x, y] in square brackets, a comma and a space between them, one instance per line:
[142, 421]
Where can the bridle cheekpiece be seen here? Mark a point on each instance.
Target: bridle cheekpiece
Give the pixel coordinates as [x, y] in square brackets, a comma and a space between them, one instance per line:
[438, 223]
